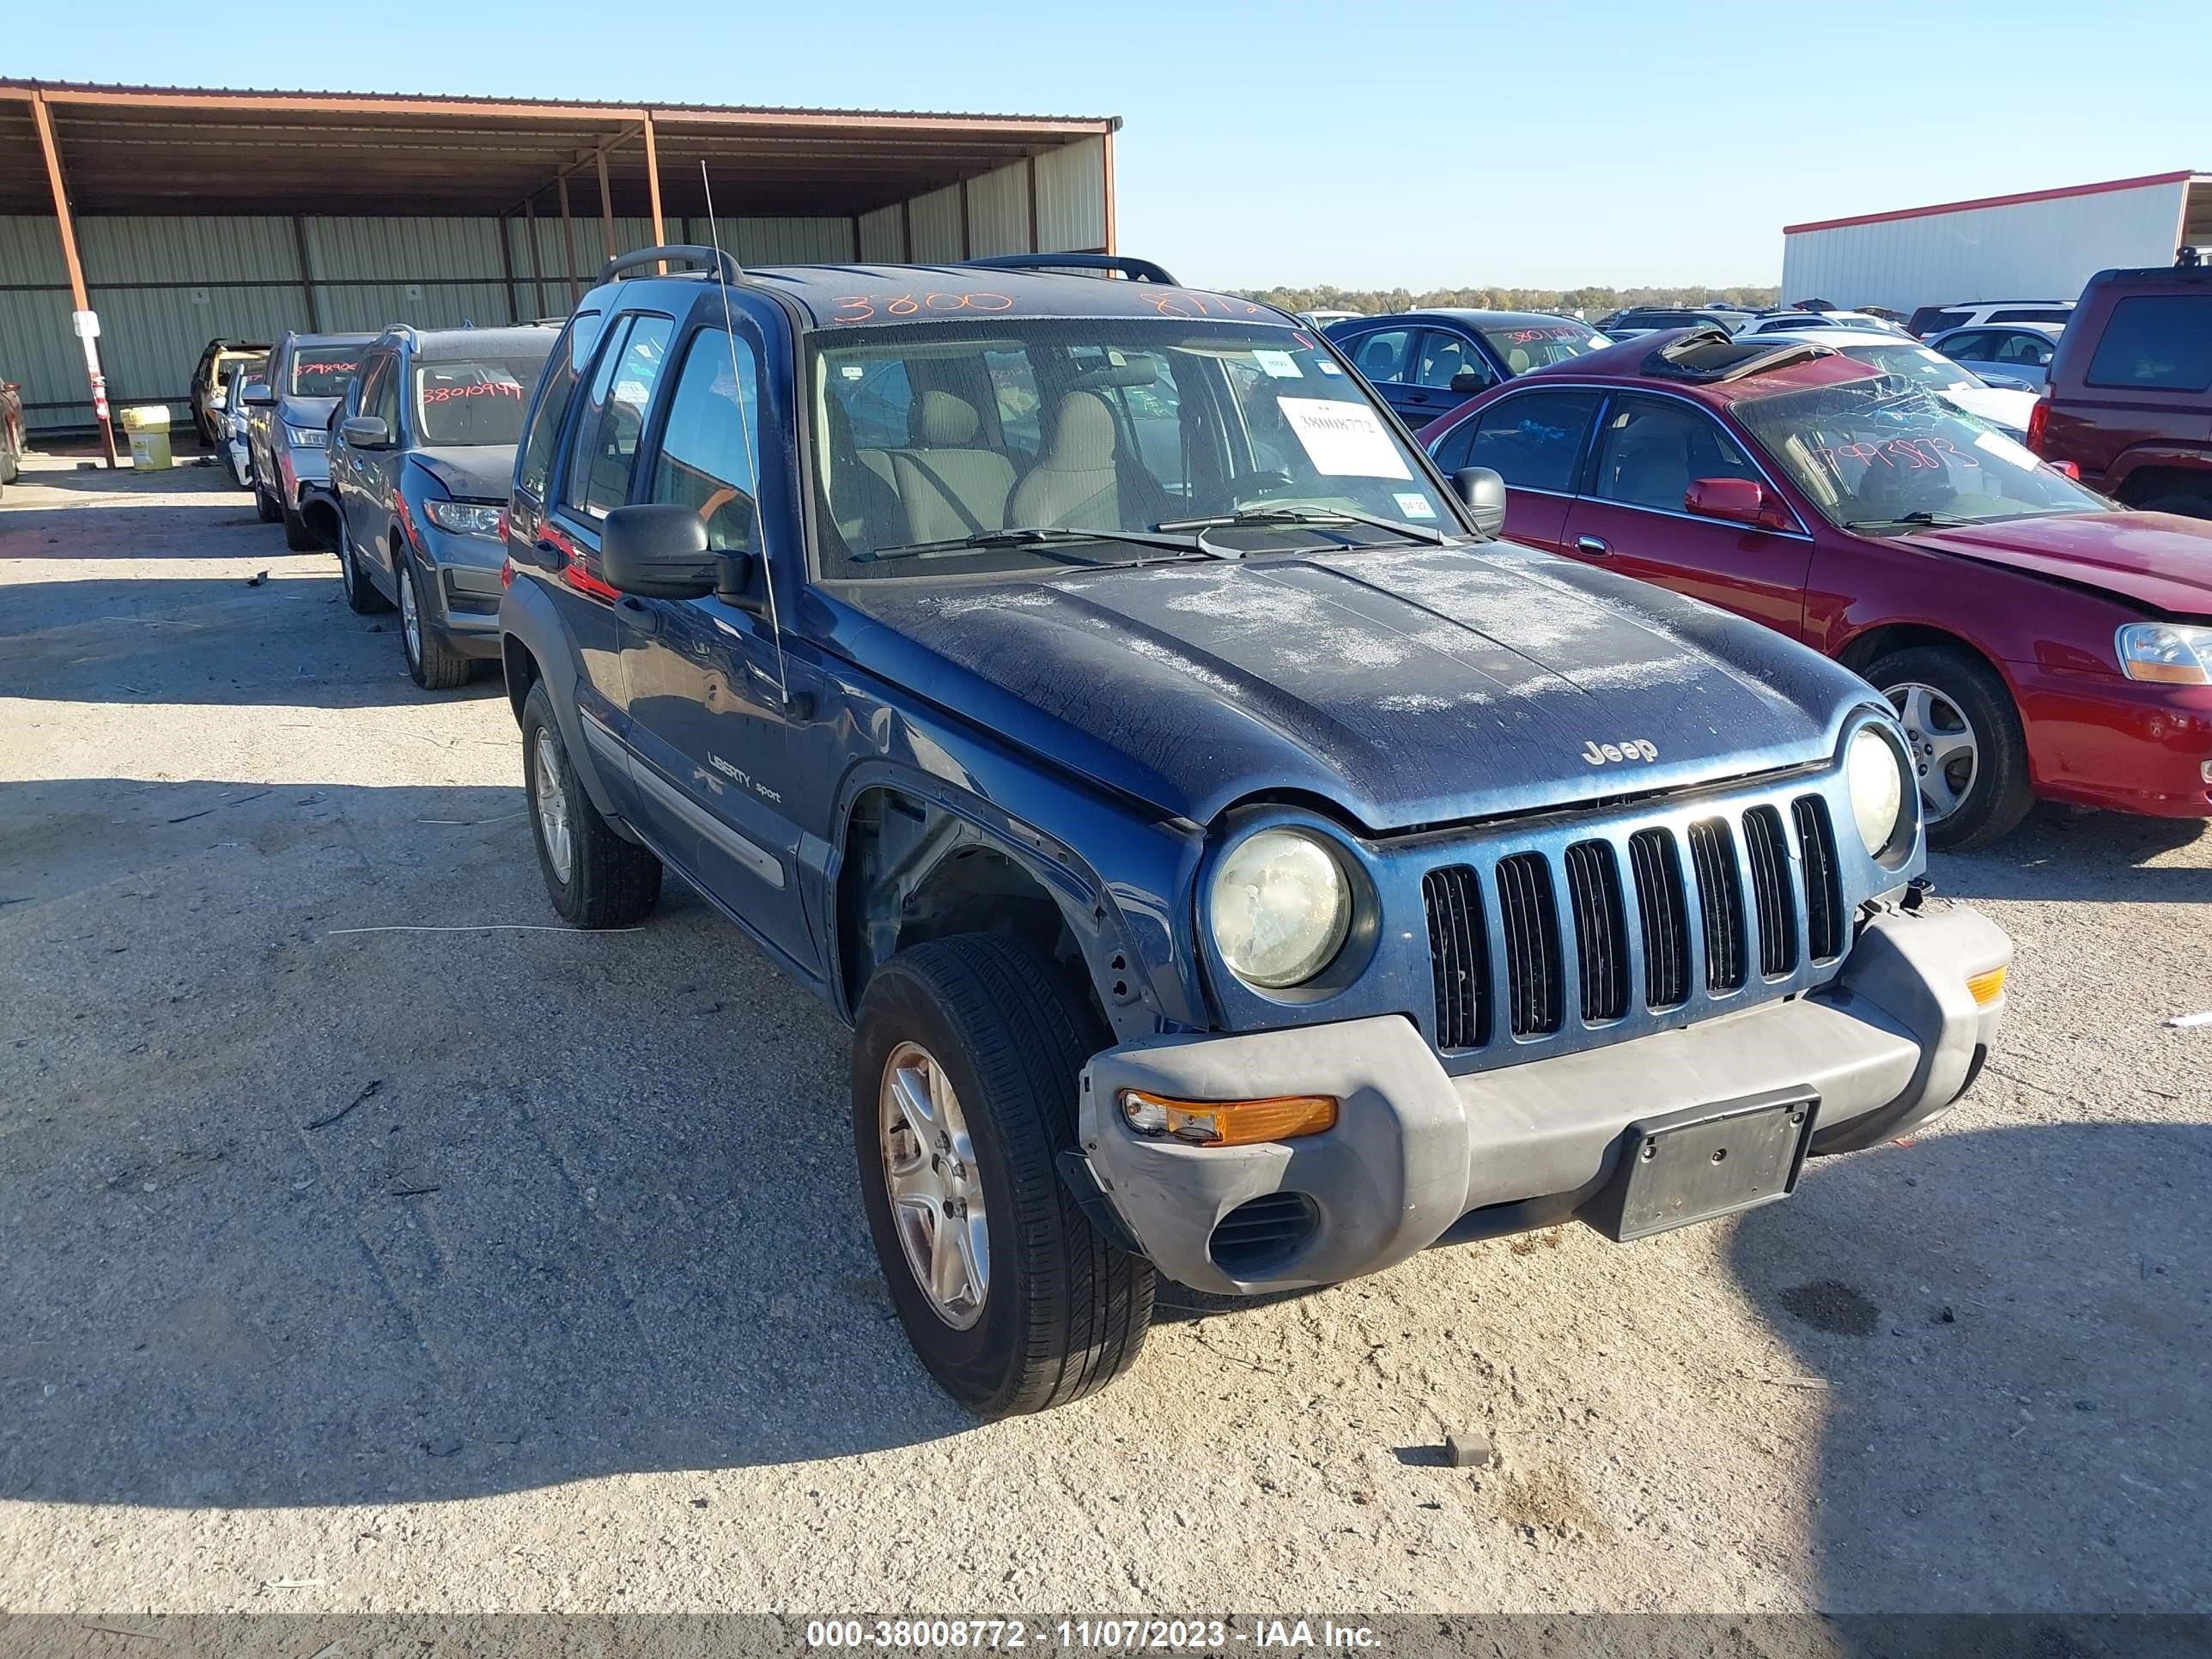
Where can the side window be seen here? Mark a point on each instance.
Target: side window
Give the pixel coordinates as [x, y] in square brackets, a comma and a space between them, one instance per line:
[361, 395]
[1534, 439]
[2031, 349]
[709, 457]
[1381, 356]
[1140, 389]
[1443, 356]
[1452, 449]
[570, 352]
[382, 399]
[878, 398]
[1653, 449]
[2163, 342]
[1973, 348]
[613, 420]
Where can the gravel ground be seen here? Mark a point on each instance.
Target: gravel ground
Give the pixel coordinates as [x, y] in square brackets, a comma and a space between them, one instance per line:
[423, 1270]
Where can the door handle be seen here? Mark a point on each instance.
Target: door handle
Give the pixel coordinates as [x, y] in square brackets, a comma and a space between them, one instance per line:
[1591, 545]
[639, 616]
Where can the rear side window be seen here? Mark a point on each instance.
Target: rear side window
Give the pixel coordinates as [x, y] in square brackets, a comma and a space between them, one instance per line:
[1927, 321]
[2031, 314]
[608, 431]
[1534, 441]
[2160, 343]
[1381, 356]
[570, 355]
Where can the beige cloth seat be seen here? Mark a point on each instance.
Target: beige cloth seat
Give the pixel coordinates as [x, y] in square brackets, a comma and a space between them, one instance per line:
[1077, 482]
[950, 484]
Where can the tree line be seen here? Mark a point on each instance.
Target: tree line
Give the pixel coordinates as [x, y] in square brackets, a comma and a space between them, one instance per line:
[1591, 302]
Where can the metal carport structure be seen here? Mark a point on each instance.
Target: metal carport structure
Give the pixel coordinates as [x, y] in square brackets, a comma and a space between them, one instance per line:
[178, 215]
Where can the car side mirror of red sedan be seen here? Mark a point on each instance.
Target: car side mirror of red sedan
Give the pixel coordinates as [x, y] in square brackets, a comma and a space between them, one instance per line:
[1740, 501]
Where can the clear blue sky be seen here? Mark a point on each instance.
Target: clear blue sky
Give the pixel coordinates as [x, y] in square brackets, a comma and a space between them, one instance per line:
[1363, 144]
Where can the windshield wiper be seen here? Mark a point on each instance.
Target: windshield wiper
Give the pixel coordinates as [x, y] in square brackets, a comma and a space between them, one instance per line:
[1920, 517]
[1319, 516]
[1046, 537]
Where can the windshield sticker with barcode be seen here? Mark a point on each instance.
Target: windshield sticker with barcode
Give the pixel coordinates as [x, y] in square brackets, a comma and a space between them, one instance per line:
[1343, 440]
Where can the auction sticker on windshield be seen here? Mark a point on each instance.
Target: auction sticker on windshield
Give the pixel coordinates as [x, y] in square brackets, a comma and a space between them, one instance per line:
[1279, 365]
[1343, 440]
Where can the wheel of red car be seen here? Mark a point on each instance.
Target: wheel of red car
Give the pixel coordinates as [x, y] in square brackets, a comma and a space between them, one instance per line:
[1966, 741]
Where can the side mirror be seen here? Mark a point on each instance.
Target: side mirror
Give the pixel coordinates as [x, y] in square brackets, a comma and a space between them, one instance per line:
[658, 550]
[737, 578]
[258, 395]
[1482, 493]
[365, 431]
[1468, 381]
[1739, 500]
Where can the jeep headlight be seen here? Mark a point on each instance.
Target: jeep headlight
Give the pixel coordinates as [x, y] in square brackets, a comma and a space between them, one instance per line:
[2167, 654]
[1885, 801]
[1281, 907]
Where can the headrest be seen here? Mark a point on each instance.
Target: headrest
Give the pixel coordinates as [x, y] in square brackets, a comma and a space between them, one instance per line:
[942, 421]
[1082, 433]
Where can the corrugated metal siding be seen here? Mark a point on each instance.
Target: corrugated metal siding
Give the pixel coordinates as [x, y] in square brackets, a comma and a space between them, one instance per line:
[1072, 197]
[936, 226]
[998, 212]
[39, 353]
[2026, 250]
[30, 251]
[881, 239]
[179, 248]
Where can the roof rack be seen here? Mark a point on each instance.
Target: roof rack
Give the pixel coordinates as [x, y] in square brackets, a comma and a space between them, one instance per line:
[690, 253]
[1118, 264]
[1691, 355]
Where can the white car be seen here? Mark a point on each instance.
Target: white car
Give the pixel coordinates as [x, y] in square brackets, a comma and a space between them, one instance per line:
[1795, 322]
[2018, 351]
[228, 418]
[1929, 320]
[1956, 385]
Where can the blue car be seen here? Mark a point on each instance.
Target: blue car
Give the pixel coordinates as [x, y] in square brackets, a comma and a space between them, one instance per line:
[1238, 867]
[422, 454]
[1427, 363]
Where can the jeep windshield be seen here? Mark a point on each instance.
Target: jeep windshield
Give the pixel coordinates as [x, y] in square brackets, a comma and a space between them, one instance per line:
[475, 401]
[1005, 445]
[1886, 456]
[323, 371]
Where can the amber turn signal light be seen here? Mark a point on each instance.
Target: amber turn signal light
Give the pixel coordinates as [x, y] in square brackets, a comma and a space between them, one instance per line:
[1988, 986]
[1228, 1122]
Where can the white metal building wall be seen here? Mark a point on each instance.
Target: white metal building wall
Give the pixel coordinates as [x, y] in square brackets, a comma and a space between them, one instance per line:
[2040, 250]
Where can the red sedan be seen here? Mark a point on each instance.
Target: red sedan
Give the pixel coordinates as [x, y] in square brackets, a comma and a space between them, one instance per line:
[2038, 642]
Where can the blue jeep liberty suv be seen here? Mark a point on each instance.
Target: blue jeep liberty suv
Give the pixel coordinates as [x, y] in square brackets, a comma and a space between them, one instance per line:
[1238, 865]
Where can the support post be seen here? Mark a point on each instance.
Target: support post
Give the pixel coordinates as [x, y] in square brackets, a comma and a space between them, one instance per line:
[967, 239]
[1029, 168]
[506, 265]
[306, 274]
[606, 204]
[906, 231]
[536, 264]
[568, 241]
[1108, 140]
[79, 298]
[652, 181]
[856, 239]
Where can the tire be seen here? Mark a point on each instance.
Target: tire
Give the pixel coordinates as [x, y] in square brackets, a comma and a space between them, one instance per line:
[1998, 795]
[432, 662]
[297, 536]
[609, 882]
[362, 597]
[2193, 504]
[265, 505]
[1060, 1313]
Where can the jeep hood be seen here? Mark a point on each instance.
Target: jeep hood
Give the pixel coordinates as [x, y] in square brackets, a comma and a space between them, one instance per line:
[480, 472]
[1404, 688]
[2159, 560]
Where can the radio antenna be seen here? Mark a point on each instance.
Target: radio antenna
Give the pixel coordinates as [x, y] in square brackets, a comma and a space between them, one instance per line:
[745, 437]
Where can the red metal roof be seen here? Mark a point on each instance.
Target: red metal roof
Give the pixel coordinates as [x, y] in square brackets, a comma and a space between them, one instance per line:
[2147, 179]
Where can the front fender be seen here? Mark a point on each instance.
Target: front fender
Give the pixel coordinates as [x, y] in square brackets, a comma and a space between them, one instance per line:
[527, 619]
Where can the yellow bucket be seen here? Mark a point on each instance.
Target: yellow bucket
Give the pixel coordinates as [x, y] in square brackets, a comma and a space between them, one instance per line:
[149, 427]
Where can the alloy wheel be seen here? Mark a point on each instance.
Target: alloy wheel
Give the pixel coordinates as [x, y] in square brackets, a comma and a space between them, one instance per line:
[935, 1187]
[410, 621]
[1946, 752]
[550, 802]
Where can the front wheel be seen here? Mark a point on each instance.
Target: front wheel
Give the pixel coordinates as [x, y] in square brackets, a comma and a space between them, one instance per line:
[432, 662]
[965, 1065]
[594, 877]
[265, 505]
[1967, 744]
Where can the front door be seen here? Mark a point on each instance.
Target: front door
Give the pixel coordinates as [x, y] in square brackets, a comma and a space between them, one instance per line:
[1535, 441]
[1385, 357]
[1440, 357]
[1632, 516]
[708, 729]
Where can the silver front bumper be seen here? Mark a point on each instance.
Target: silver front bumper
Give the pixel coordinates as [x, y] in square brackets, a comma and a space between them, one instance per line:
[1895, 1038]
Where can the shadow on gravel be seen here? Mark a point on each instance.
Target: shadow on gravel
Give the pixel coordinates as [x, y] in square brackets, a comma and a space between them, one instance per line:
[291, 1215]
[2008, 1330]
[2060, 855]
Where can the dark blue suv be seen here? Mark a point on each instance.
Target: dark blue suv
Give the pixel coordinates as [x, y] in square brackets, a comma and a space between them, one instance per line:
[1426, 363]
[1238, 867]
